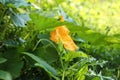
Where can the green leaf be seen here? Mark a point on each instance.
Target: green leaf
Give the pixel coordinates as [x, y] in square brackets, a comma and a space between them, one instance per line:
[43, 23]
[113, 39]
[16, 3]
[11, 43]
[60, 46]
[71, 55]
[13, 64]
[44, 36]
[5, 75]
[96, 78]
[43, 64]
[2, 60]
[49, 54]
[81, 73]
[19, 20]
[39, 65]
[3, 1]
[19, 3]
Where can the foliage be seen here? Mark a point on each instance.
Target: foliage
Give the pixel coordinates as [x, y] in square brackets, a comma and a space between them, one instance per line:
[27, 53]
[98, 15]
[12, 17]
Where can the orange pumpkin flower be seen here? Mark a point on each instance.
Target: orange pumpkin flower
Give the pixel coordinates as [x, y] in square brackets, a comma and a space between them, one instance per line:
[62, 33]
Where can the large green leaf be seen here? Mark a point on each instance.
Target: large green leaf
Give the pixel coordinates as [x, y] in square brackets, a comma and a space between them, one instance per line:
[13, 64]
[19, 20]
[49, 54]
[46, 23]
[5, 75]
[43, 64]
[39, 65]
[41, 22]
[47, 51]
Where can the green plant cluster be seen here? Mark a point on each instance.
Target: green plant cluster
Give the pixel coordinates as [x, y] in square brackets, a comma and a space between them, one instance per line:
[27, 53]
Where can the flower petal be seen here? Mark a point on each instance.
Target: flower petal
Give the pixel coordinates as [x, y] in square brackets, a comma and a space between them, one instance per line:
[62, 33]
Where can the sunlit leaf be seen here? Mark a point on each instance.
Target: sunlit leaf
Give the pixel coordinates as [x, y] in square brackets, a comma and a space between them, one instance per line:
[72, 55]
[81, 73]
[5, 75]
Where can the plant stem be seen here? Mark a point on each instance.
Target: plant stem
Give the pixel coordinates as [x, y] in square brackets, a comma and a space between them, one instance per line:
[44, 40]
[3, 14]
[63, 75]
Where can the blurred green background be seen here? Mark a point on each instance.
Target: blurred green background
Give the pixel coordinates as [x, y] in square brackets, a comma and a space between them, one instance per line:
[99, 15]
